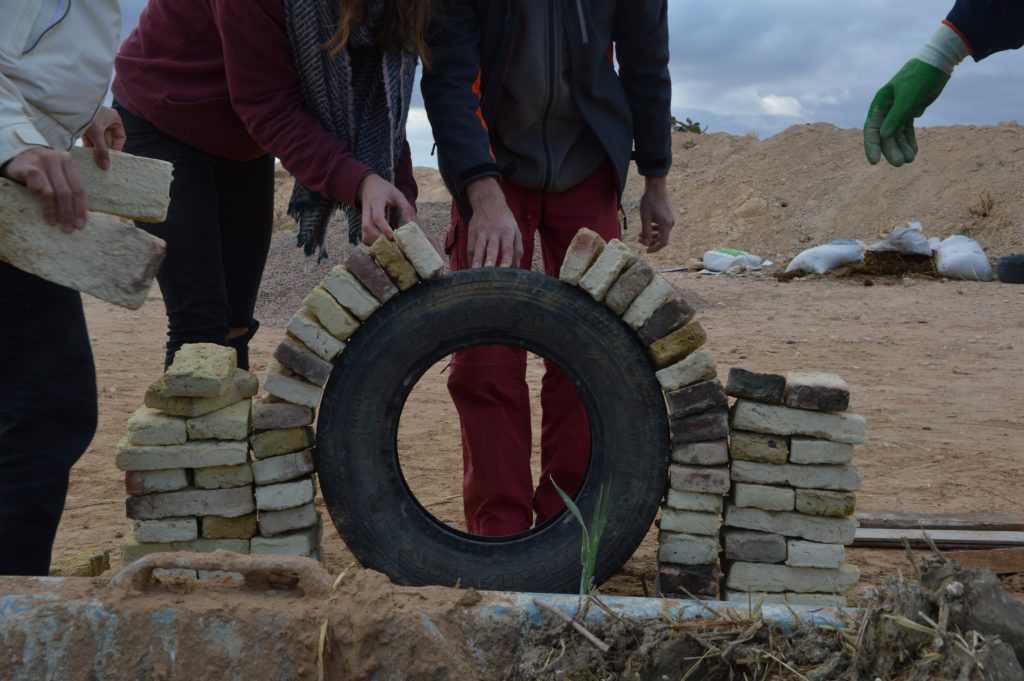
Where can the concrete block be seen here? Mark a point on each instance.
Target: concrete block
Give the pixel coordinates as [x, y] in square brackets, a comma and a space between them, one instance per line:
[283, 468]
[243, 385]
[223, 477]
[273, 523]
[140, 483]
[765, 418]
[109, 259]
[764, 497]
[285, 495]
[585, 248]
[689, 581]
[230, 503]
[198, 454]
[284, 384]
[825, 502]
[700, 366]
[742, 576]
[229, 423]
[268, 415]
[338, 321]
[629, 285]
[817, 391]
[418, 250]
[813, 600]
[678, 345]
[657, 293]
[133, 187]
[687, 549]
[615, 259]
[689, 522]
[276, 442]
[709, 426]
[813, 450]
[673, 314]
[843, 478]
[701, 480]
[694, 501]
[758, 447]
[307, 329]
[294, 354]
[370, 274]
[301, 543]
[715, 453]
[754, 547]
[814, 555]
[200, 370]
[153, 427]
[767, 388]
[168, 529]
[389, 256]
[352, 296]
[80, 563]
[219, 527]
[788, 524]
[131, 550]
[696, 399]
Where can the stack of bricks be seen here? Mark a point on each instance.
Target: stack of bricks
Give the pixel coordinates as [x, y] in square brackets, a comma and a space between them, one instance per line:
[186, 458]
[788, 519]
[627, 285]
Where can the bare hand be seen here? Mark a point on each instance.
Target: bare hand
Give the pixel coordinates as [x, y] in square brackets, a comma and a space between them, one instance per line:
[378, 197]
[494, 237]
[106, 132]
[53, 177]
[656, 215]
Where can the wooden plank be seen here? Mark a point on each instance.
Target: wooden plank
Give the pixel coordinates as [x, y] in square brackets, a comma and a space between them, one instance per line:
[109, 259]
[132, 187]
[870, 537]
[940, 521]
[1000, 561]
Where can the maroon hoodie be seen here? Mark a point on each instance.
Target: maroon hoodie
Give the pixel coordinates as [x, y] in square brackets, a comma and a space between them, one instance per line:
[219, 76]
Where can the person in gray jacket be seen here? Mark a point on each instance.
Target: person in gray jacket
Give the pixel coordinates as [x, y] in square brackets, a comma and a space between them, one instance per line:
[537, 107]
[56, 58]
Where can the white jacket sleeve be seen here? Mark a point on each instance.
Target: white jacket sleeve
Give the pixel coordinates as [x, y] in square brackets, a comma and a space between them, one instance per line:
[17, 134]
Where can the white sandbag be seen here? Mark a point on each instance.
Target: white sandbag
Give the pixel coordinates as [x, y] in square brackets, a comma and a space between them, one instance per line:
[960, 257]
[721, 259]
[908, 239]
[822, 259]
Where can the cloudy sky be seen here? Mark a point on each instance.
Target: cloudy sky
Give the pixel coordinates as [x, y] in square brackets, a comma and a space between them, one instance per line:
[760, 66]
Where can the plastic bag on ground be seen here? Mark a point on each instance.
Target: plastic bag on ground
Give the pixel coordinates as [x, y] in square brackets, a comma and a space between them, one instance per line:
[825, 258]
[908, 239]
[721, 259]
[960, 257]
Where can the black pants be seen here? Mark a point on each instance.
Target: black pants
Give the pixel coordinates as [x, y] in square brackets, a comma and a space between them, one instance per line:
[218, 233]
[47, 413]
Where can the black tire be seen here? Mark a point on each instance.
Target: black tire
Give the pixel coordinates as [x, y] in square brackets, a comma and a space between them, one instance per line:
[360, 476]
[1010, 269]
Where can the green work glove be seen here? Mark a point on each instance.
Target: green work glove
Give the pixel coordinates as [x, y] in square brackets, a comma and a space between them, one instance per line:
[889, 128]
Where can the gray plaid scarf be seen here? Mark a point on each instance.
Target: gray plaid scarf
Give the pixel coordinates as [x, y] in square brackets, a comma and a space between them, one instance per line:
[361, 97]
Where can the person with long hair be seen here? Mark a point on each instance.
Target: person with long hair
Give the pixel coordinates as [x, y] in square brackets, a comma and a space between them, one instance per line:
[219, 89]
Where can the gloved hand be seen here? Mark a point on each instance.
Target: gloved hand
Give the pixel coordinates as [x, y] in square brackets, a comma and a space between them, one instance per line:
[889, 128]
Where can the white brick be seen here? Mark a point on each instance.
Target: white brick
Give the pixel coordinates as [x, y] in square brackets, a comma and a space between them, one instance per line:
[812, 450]
[657, 293]
[685, 549]
[700, 366]
[301, 543]
[283, 468]
[307, 329]
[782, 578]
[153, 427]
[197, 454]
[132, 186]
[347, 290]
[331, 315]
[140, 483]
[243, 385]
[273, 523]
[229, 503]
[702, 480]
[585, 248]
[764, 497]
[815, 555]
[169, 529]
[689, 522]
[769, 418]
[812, 528]
[283, 384]
[223, 477]
[285, 495]
[714, 453]
[285, 441]
[843, 478]
[693, 501]
[269, 415]
[200, 370]
[229, 423]
[418, 250]
[613, 261]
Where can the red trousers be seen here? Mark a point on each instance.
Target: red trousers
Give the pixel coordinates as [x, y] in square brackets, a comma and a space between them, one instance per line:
[488, 382]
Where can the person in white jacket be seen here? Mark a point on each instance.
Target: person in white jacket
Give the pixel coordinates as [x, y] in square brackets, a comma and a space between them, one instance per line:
[56, 58]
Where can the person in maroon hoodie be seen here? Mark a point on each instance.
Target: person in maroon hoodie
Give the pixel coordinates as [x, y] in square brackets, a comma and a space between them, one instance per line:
[221, 87]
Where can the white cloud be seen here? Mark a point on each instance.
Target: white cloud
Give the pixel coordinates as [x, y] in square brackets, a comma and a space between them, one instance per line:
[788, 107]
